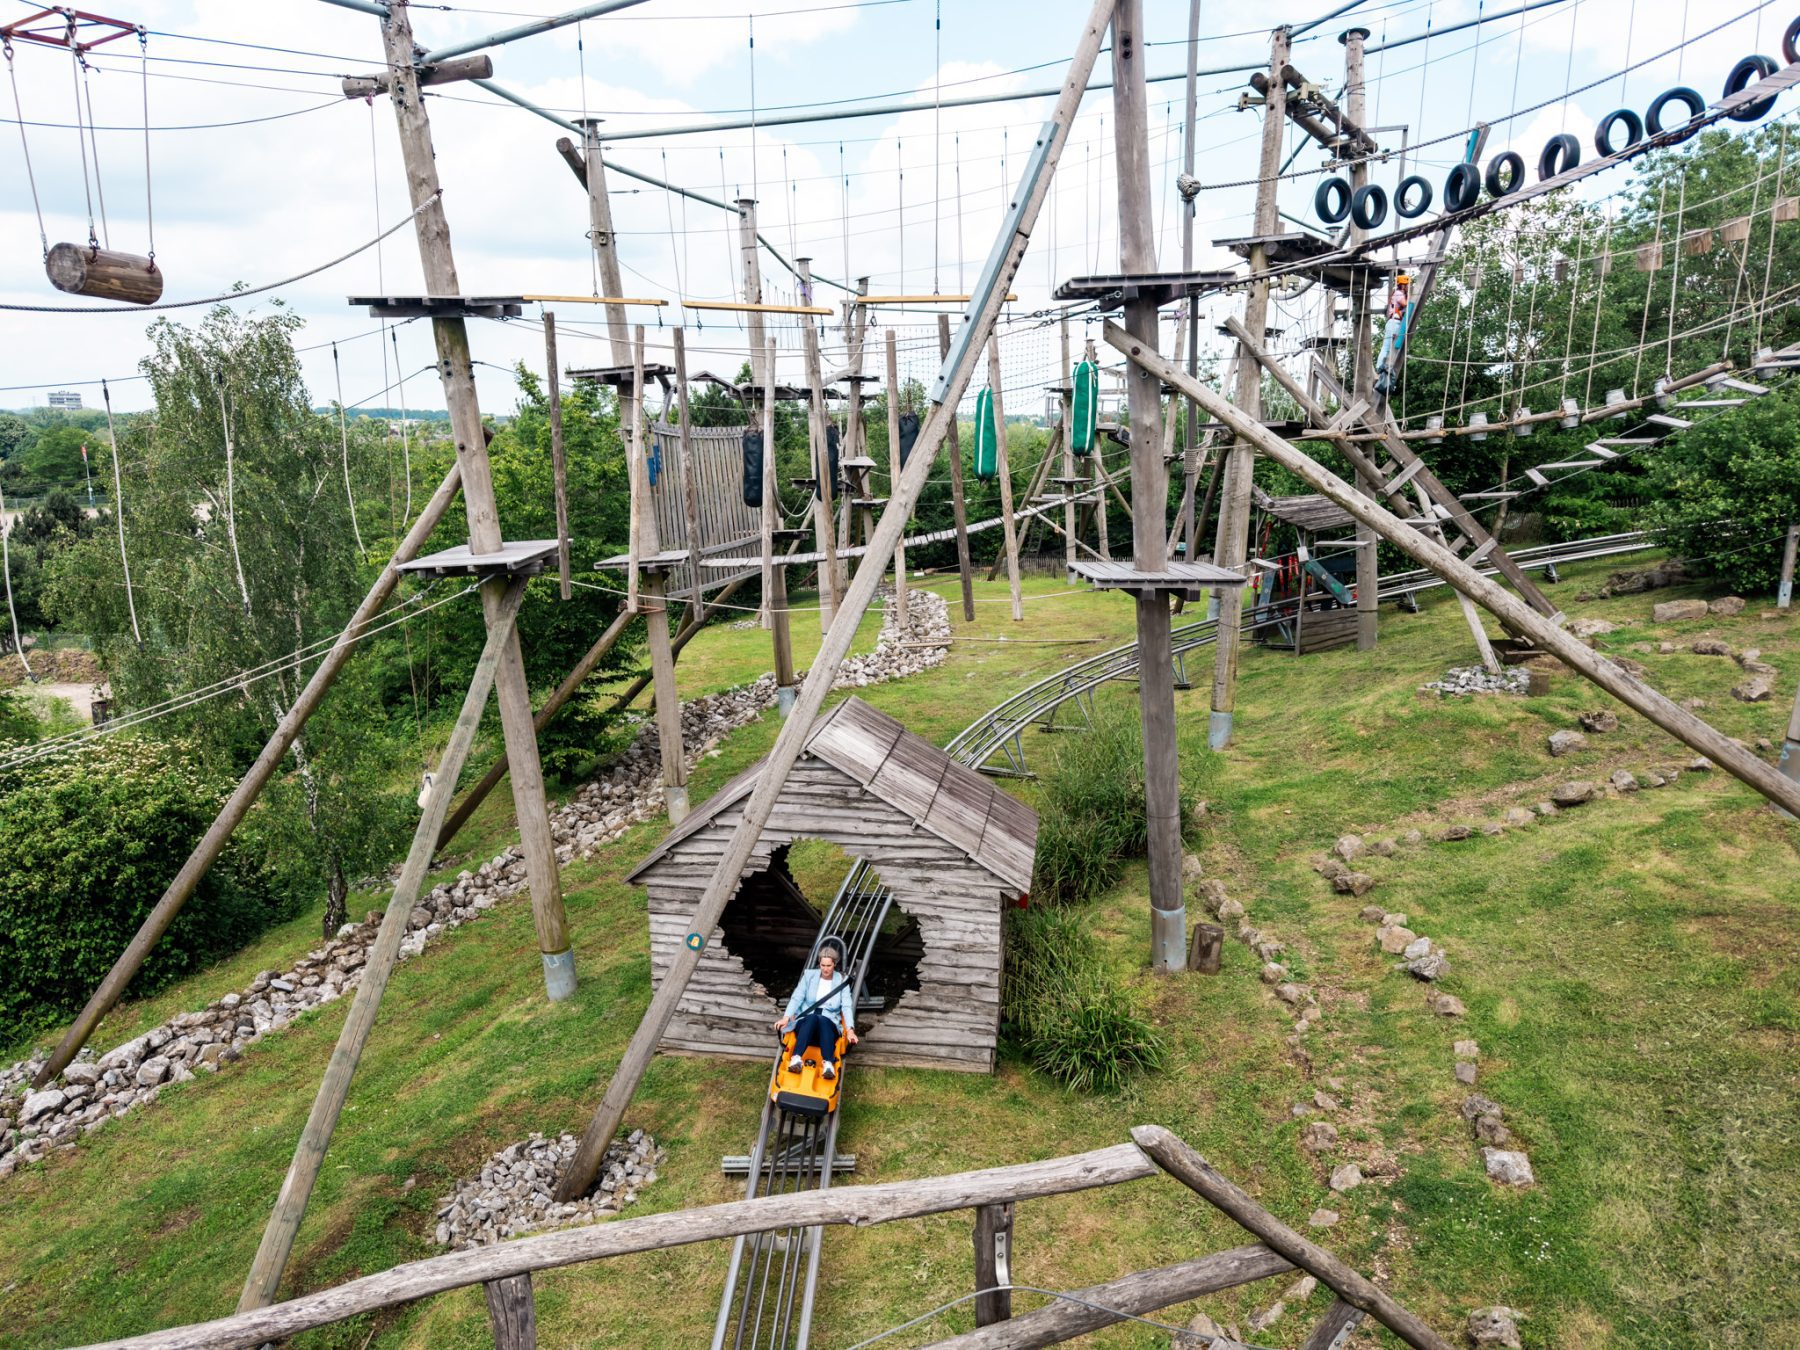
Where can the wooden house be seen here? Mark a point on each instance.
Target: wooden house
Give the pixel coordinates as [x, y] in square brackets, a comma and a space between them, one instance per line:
[1306, 573]
[952, 848]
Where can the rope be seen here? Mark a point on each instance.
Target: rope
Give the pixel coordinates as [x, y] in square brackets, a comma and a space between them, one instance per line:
[119, 514]
[405, 424]
[80, 139]
[1769, 264]
[87, 90]
[228, 295]
[344, 437]
[24, 145]
[149, 201]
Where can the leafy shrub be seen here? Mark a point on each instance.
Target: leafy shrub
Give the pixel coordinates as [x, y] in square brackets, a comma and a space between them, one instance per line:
[88, 842]
[1098, 1043]
[1093, 817]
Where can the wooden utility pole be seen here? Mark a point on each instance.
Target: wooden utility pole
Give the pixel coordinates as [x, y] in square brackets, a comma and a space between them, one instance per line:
[559, 463]
[690, 487]
[953, 381]
[1149, 498]
[959, 510]
[856, 440]
[762, 367]
[818, 425]
[1066, 388]
[1362, 369]
[774, 572]
[303, 1171]
[893, 439]
[606, 247]
[1233, 547]
[1784, 592]
[457, 372]
[1008, 529]
[1189, 191]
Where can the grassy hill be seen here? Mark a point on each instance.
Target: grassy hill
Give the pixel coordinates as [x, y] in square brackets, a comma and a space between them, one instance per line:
[1626, 968]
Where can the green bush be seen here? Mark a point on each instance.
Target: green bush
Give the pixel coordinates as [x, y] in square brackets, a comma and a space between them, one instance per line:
[1093, 818]
[88, 842]
[1098, 1043]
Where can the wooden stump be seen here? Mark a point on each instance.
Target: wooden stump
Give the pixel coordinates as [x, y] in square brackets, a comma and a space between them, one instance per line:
[511, 1313]
[81, 270]
[1206, 949]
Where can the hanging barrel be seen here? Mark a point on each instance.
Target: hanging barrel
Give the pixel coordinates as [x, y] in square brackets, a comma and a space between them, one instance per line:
[909, 433]
[81, 270]
[987, 442]
[1085, 415]
[753, 469]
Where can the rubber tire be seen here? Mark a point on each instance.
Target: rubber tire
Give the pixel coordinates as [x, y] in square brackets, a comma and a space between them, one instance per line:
[1462, 189]
[1331, 203]
[1408, 184]
[1790, 42]
[1506, 159]
[1634, 128]
[1744, 74]
[1679, 94]
[1369, 206]
[1561, 153]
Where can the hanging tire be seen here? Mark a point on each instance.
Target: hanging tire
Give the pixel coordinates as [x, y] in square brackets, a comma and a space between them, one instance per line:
[1625, 117]
[1561, 153]
[1369, 206]
[1744, 74]
[1505, 174]
[1790, 42]
[1679, 94]
[1462, 189]
[1411, 210]
[1331, 203]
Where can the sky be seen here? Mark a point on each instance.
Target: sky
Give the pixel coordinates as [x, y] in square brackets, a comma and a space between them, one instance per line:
[260, 169]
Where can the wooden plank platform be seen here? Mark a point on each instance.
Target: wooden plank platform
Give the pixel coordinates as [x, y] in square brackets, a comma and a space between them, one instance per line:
[1189, 578]
[522, 557]
[1118, 287]
[442, 306]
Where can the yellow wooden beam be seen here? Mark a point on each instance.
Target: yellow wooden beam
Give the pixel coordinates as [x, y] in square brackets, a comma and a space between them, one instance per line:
[735, 308]
[917, 299]
[594, 300]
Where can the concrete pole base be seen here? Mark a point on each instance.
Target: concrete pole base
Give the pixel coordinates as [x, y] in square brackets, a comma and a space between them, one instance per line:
[1218, 731]
[784, 699]
[1168, 940]
[1784, 596]
[559, 975]
[675, 798]
[1212, 606]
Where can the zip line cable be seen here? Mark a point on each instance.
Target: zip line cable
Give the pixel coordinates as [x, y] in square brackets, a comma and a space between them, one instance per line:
[344, 438]
[118, 506]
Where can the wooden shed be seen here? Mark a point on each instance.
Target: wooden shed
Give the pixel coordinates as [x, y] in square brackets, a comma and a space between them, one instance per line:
[954, 849]
[1306, 565]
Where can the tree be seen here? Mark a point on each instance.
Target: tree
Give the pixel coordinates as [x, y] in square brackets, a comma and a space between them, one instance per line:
[54, 460]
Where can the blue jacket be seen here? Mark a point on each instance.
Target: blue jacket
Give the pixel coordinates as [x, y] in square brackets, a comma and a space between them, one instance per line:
[839, 1004]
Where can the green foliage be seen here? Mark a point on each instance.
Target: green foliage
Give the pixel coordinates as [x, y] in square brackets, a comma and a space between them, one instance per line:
[1093, 817]
[41, 534]
[17, 725]
[88, 842]
[54, 460]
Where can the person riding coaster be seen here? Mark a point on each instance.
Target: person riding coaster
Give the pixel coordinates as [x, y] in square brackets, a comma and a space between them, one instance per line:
[822, 1003]
[1399, 300]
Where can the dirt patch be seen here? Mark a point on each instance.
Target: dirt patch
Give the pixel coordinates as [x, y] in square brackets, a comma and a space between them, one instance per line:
[176, 1221]
[1760, 937]
[64, 665]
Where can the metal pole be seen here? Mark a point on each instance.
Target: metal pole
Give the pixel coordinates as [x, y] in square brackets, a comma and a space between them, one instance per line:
[531, 29]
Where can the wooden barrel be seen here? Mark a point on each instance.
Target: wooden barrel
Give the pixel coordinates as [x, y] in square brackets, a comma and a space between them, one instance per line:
[81, 270]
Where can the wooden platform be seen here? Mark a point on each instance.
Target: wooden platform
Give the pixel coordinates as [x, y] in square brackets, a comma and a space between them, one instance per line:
[442, 306]
[1187, 579]
[1162, 287]
[523, 557]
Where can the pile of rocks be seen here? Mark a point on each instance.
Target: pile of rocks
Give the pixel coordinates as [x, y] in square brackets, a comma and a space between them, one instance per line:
[514, 1193]
[1462, 680]
[93, 1091]
[1419, 956]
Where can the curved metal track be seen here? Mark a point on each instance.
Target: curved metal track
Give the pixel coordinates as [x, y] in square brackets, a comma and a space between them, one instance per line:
[770, 1285]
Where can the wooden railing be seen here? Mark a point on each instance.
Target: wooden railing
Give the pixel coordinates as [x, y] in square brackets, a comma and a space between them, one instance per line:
[505, 1270]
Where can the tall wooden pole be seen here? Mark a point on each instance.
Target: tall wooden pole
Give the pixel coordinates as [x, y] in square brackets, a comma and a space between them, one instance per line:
[559, 462]
[690, 487]
[775, 572]
[236, 806]
[1789, 764]
[856, 439]
[953, 381]
[1149, 499]
[817, 426]
[959, 509]
[1232, 549]
[1362, 371]
[893, 440]
[1501, 603]
[1008, 529]
[606, 245]
[762, 369]
[290, 1206]
[1067, 386]
[1784, 593]
[457, 372]
[1190, 465]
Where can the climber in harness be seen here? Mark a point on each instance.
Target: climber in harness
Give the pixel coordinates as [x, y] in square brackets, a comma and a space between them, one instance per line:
[1398, 303]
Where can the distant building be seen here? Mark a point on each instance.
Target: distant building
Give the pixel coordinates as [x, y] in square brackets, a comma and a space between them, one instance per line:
[68, 400]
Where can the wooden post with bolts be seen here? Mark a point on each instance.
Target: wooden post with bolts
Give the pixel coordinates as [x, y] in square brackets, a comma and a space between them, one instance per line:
[817, 426]
[559, 463]
[1232, 549]
[959, 510]
[1008, 528]
[605, 241]
[1784, 594]
[775, 601]
[1067, 395]
[893, 440]
[1362, 370]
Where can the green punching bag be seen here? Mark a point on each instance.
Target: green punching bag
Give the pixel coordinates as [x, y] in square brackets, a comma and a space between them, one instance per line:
[1085, 415]
[987, 440]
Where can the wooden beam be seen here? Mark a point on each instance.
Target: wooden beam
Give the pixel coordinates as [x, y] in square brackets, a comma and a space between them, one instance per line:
[1008, 527]
[1065, 379]
[559, 464]
[1509, 609]
[690, 485]
[856, 1206]
[512, 1313]
[605, 241]
[993, 1263]
[733, 307]
[1137, 1295]
[916, 299]
[1188, 1167]
[668, 700]
[334, 1088]
[1334, 1328]
[593, 300]
[249, 788]
[818, 428]
[1362, 360]
[443, 72]
[959, 510]
[1002, 267]
[893, 439]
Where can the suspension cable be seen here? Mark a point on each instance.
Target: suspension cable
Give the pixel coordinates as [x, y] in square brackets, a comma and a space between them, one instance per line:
[149, 200]
[80, 138]
[25, 147]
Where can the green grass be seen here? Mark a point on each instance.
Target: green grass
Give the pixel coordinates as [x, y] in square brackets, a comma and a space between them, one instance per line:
[1629, 972]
